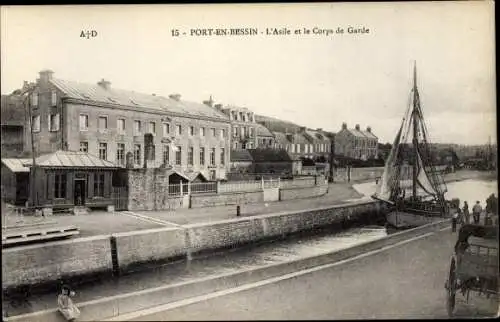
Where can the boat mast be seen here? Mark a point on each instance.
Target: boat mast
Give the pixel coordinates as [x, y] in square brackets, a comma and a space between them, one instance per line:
[415, 140]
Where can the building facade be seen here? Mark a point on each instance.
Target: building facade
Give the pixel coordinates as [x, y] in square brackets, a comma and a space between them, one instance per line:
[320, 144]
[243, 133]
[13, 120]
[355, 143]
[112, 124]
[265, 138]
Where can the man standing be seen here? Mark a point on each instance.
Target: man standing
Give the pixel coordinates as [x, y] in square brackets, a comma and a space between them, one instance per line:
[454, 220]
[476, 212]
[466, 213]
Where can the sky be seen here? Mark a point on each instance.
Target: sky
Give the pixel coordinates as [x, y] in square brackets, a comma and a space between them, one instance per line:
[315, 80]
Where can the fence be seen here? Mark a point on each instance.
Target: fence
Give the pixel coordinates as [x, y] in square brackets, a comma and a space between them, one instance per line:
[120, 198]
[182, 189]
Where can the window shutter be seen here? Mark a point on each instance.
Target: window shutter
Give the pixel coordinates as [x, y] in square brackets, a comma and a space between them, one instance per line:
[90, 185]
[49, 123]
[50, 185]
[58, 120]
[107, 184]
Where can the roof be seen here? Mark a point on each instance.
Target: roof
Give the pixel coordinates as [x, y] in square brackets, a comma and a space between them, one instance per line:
[195, 174]
[170, 172]
[280, 138]
[240, 155]
[261, 130]
[269, 155]
[300, 139]
[73, 159]
[96, 93]
[316, 135]
[17, 165]
[362, 134]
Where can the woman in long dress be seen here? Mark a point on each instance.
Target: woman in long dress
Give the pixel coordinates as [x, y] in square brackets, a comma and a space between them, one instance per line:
[66, 306]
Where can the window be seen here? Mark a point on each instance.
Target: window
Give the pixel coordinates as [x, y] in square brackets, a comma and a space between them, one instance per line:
[251, 132]
[190, 155]
[103, 150]
[202, 156]
[243, 131]
[103, 123]
[98, 184]
[84, 122]
[235, 131]
[222, 156]
[60, 185]
[222, 133]
[35, 121]
[212, 131]
[191, 130]
[84, 147]
[166, 154]
[54, 98]
[120, 153]
[152, 127]
[34, 99]
[212, 156]
[137, 153]
[243, 117]
[202, 131]
[179, 129]
[54, 122]
[120, 126]
[166, 129]
[178, 156]
[137, 127]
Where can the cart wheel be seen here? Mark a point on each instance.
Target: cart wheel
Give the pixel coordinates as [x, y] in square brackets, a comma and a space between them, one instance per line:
[452, 289]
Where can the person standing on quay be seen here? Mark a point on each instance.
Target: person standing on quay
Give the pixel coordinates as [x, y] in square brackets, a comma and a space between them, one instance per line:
[476, 212]
[466, 213]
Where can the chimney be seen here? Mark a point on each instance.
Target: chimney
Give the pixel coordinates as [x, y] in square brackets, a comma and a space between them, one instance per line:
[344, 126]
[357, 127]
[218, 106]
[210, 102]
[45, 75]
[104, 84]
[369, 129]
[175, 97]
[302, 129]
[319, 129]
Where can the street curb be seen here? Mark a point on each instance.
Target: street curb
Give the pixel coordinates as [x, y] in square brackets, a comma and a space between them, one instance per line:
[130, 302]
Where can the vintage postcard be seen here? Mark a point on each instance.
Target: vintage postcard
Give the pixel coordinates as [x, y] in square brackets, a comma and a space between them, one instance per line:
[249, 161]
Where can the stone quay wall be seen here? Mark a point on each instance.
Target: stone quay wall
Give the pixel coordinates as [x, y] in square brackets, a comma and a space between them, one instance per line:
[52, 261]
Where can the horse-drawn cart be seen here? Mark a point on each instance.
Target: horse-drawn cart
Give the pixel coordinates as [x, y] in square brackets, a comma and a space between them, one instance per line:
[474, 264]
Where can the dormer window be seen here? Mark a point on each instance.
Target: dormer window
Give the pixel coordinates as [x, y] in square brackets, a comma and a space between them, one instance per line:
[34, 99]
[54, 98]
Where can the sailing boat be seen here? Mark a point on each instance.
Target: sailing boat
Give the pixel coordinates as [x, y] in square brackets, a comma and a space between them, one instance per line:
[411, 186]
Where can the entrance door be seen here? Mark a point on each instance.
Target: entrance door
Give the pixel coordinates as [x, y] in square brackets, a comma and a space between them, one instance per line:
[79, 192]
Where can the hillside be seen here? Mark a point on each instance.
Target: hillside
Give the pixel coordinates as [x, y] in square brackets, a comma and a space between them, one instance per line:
[276, 125]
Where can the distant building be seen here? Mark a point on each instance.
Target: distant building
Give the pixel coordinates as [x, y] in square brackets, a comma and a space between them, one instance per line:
[265, 138]
[243, 134]
[13, 122]
[112, 123]
[241, 165]
[355, 143]
[271, 161]
[320, 144]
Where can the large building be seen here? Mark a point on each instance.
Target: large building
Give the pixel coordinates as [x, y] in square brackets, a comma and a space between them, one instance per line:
[320, 144]
[265, 138]
[356, 143]
[243, 126]
[115, 124]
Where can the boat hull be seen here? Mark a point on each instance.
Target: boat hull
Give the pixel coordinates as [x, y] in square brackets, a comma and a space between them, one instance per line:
[405, 219]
